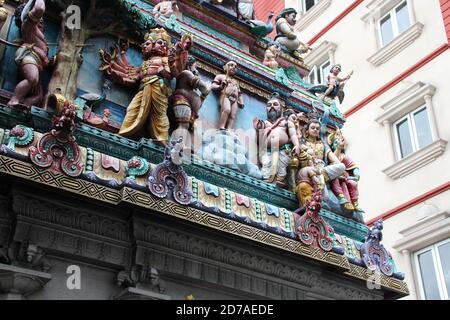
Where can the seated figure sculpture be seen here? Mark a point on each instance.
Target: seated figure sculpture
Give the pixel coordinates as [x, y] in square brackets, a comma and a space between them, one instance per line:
[230, 95]
[346, 186]
[286, 35]
[335, 85]
[309, 178]
[277, 139]
[245, 10]
[165, 8]
[312, 144]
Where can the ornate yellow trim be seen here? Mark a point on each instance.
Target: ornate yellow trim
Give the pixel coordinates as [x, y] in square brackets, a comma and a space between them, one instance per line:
[92, 190]
[378, 278]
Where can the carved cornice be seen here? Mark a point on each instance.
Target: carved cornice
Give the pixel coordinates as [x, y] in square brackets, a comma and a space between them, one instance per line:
[127, 195]
[189, 245]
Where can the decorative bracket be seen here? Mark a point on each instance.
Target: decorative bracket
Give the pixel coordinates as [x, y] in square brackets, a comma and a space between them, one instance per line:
[57, 149]
[169, 175]
[312, 228]
[374, 254]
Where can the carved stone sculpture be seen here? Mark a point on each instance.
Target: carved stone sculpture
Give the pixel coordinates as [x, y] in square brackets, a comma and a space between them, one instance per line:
[270, 56]
[230, 95]
[170, 176]
[31, 56]
[286, 35]
[335, 85]
[374, 254]
[148, 109]
[346, 186]
[312, 228]
[312, 144]
[57, 149]
[277, 140]
[165, 8]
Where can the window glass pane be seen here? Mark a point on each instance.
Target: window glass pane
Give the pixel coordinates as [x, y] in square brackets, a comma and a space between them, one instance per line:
[404, 138]
[309, 4]
[403, 17]
[423, 129]
[444, 253]
[429, 279]
[325, 70]
[387, 33]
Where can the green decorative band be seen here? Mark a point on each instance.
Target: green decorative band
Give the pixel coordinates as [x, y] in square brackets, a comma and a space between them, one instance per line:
[287, 219]
[194, 189]
[258, 210]
[227, 200]
[89, 159]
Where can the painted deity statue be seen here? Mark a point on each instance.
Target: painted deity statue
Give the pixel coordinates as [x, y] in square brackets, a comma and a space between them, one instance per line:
[309, 178]
[165, 8]
[346, 186]
[312, 143]
[230, 95]
[270, 56]
[277, 140]
[148, 109]
[185, 103]
[31, 56]
[245, 10]
[286, 35]
[335, 85]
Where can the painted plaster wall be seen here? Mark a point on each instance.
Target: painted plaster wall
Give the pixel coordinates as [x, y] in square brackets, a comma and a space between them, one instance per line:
[406, 219]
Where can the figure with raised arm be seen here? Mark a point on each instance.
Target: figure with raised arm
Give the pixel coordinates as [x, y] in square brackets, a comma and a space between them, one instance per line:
[335, 85]
[148, 109]
[31, 57]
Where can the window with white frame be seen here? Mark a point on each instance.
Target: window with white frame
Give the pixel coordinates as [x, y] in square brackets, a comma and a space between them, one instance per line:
[394, 23]
[308, 4]
[433, 271]
[413, 132]
[319, 73]
[410, 124]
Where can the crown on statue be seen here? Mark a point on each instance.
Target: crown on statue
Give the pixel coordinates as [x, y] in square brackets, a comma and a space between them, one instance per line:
[313, 116]
[158, 33]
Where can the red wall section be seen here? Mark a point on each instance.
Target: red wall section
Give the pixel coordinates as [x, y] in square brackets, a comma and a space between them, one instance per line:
[445, 6]
[263, 7]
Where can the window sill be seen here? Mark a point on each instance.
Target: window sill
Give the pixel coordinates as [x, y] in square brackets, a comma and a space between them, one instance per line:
[425, 232]
[416, 160]
[398, 44]
[307, 18]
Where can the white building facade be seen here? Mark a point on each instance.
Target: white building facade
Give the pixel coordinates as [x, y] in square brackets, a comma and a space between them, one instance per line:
[398, 120]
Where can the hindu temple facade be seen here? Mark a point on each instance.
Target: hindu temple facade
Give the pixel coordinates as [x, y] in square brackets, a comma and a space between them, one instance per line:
[173, 150]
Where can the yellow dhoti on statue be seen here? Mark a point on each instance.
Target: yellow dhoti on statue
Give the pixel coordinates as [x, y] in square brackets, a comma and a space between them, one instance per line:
[148, 107]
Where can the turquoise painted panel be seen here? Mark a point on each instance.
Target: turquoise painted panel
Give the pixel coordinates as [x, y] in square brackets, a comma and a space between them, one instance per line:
[209, 116]
[90, 78]
[198, 25]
